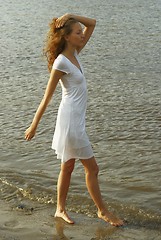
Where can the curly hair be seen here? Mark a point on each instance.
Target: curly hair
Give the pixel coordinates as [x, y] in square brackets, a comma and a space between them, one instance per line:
[55, 42]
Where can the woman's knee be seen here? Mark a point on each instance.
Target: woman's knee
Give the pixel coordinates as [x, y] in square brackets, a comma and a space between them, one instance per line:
[90, 166]
[94, 170]
[68, 166]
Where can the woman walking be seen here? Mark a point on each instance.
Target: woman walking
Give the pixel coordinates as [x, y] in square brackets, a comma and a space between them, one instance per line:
[65, 40]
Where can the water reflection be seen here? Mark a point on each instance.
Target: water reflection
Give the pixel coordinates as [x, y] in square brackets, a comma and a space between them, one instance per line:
[103, 232]
[96, 232]
[60, 225]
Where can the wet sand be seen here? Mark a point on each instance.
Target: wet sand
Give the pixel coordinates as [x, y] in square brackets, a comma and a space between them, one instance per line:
[21, 224]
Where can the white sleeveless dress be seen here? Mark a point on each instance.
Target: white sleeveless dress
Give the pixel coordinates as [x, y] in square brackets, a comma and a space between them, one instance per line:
[70, 139]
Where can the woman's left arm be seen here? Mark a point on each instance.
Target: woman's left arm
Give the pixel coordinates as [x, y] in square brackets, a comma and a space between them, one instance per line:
[89, 24]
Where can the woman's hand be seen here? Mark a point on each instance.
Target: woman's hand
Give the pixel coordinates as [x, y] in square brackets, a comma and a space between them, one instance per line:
[30, 133]
[89, 24]
[62, 20]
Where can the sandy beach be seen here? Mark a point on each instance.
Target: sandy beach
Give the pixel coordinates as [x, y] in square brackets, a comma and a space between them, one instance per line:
[19, 224]
[25, 224]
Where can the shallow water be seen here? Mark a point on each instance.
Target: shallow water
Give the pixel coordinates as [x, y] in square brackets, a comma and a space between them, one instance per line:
[122, 67]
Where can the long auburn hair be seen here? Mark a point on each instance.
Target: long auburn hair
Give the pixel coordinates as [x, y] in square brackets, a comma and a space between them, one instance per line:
[55, 41]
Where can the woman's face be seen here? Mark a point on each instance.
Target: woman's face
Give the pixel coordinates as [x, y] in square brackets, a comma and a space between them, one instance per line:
[76, 37]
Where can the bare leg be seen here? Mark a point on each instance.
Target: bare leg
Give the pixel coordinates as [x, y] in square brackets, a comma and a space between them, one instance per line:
[62, 189]
[91, 170]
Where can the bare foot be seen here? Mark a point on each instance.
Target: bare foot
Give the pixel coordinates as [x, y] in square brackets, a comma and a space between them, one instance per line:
[64, 216]
[110, 218]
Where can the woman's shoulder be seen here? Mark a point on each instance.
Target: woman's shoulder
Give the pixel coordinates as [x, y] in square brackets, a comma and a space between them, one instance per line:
[61, 63]
[59, 60]
[60, 57]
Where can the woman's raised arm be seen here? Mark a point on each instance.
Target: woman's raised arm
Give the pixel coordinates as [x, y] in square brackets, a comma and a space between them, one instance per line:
[89, 24]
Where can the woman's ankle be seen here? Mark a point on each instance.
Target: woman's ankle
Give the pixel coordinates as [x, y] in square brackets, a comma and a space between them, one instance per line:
[60, 209]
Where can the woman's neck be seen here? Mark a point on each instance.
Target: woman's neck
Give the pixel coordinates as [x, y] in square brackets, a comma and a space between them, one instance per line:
[69, 51]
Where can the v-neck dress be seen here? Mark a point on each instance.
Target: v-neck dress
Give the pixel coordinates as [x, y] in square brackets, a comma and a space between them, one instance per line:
[70, 139]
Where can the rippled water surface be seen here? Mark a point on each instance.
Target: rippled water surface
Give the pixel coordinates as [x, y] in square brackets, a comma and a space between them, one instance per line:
[122, 67]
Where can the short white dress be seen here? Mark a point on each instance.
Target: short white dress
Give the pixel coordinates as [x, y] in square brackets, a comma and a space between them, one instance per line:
[70, 139]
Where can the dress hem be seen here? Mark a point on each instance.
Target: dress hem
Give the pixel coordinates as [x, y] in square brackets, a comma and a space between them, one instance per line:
[77, 157]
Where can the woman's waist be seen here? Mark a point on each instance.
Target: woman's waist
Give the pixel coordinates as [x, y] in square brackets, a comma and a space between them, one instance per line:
[79, 102]
[74, 96]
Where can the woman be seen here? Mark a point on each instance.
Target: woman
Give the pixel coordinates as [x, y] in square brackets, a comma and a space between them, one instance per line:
[65, 40]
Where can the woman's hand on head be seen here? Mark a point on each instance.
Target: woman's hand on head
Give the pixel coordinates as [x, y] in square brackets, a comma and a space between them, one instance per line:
[30, 133]
[62, 20]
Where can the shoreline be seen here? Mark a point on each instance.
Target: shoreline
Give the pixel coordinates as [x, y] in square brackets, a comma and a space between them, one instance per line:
[40, 224]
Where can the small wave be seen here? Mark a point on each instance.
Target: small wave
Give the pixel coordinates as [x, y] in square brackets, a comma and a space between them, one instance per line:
[18, 189]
